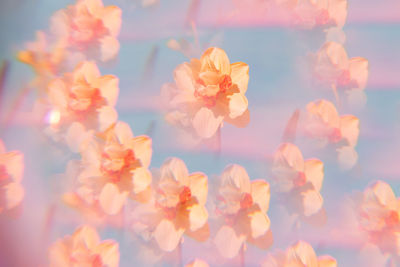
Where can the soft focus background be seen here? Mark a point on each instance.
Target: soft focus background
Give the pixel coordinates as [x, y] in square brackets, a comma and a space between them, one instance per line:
[277, 56]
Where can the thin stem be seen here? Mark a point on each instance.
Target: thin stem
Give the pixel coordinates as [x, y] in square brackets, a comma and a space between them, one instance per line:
[335, 93]
[180, 261]
[242, 259]
[219, 143]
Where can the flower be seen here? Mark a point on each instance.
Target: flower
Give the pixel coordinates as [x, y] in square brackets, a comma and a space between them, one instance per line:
[207, 92]
[11, 172]
[84, 249]
[298, 180]
[324, 124]
[311, 13]
[242, 205]
[333, 67]
[378, 213]
[177, 208]
[297, 255]
[197, 263]
[85, 100]
[89, 27]
[114, 166]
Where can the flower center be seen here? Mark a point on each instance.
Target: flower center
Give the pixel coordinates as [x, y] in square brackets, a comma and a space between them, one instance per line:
[115, 162]
[84, 99]
[210, 93]
[335, 135]
[246, 201]
[3, 173]
[300, 180]
[392, 219]
[185, 195]
[344, 78]
[323, 17]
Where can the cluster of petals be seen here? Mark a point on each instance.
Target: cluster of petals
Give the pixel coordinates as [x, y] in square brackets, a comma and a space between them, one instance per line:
[207, 92]
[332, 66]
[317, 13]
[378, 212]
[114, 166]
[298, 180]
[11, 172]
[84, 100]
[242, 207]
[90, 28]
[84, 249]
[299, 254]
[324, 124]
[177, 207]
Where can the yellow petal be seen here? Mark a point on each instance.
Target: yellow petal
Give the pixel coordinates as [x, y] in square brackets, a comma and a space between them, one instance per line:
[108, 86]
[312, 202]
[141, 180]
[206, 123]
[240, 75]
[326, 261]
[237, 105]
[228, 242]
[381, 192]
[198, 216]
[167, 236]
[358, 68]
[86, 70]
[111, 200]
[215, 59]
[197, 263]
[142, 149]
[325, 111]
[109, 253]
[338, 12]
[123, 132]
[259, 223]
[199, 187]
[107, 116]
[260, 193]
[314, 172]
[13, 161]
[289, 155]
[350, 129]
[175, 169]
[88, 235]
[111, 18]
[303, 254]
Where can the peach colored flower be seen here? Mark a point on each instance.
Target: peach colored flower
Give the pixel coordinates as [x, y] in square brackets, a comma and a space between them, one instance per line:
[311, 13]
[324, 124]
[89, 27]
[298, 255]
[114, 166]
[378, 213]
[207, 92]
[242, 205]
[299, 181]
[178, 207]
[84, 249]
[333, 67]
[84, 99]
[11, 172]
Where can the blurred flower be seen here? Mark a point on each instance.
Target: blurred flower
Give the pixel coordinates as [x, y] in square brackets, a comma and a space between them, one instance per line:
[324, 124]
[84, 100]
[298, 180]
[207, 92]
[333, 67]
[89, 27]
[242, 205]
[297, 255]
[378, 214]
[84, 249]
[311, 13]
[177, 208]
[114, 166]
[11, 172]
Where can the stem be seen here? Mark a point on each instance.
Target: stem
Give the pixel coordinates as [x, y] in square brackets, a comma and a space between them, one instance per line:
[180, 262]
[219, 143]
[242, 259]
[335, 93]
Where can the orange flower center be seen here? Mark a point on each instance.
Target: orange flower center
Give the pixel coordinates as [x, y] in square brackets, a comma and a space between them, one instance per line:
[392, 219]
[85, 99]
[185, 194]
[3, 173]
[300, 180]
[246, 201]
[209, 97]
[323, 17]
[115, 162]
[96, 261]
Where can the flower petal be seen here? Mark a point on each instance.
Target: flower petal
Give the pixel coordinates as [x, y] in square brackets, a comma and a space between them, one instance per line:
[228, 242]
[111, 200]
[108, 86]
[236, 176]
[198, 216]
[326, 261]
[175, 169]
[358, 68]
[167, 236]
[240, 75]
[350, 129]
[109, 253]
[141, 146]
[109, 47]
[86, 70]
[260, 192]
[123, 132]
[107, 116]
[111, 18]
[199, 187]
[314, 172]
[312, 202]
[215, 59]
[237, 105]
[302, 254]
[259, 223]
[347, 157]
[206, 123]
[87, 235]
[141, 180]
[14, 193]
